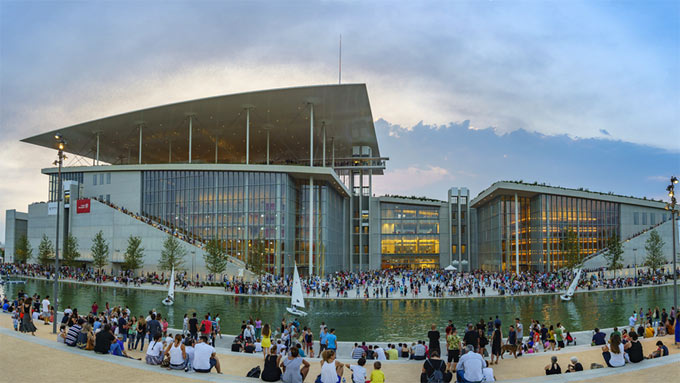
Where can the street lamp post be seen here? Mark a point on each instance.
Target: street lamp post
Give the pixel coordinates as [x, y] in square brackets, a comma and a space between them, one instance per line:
[59, 162]
[635, 265]
[672, 207]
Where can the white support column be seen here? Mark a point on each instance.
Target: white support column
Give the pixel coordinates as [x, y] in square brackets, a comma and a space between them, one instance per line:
[97, 148]
[311, 134]
[311, 226]
[333, 152]
[247, 136]
[323, 145]
[311, 190]
[267, 146]
[140, 144]
[516, 235]
[450, 232]
[190, 129]
[459, 248]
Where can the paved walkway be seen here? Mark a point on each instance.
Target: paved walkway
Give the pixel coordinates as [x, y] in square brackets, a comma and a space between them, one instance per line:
[41, 358]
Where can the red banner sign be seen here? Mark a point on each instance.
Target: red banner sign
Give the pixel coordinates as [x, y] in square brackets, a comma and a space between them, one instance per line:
[83, 206]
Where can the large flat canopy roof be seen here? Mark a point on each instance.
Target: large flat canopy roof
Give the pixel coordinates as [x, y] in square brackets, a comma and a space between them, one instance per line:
[219, 127]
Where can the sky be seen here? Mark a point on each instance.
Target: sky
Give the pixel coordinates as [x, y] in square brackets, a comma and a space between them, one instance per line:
[464, 93]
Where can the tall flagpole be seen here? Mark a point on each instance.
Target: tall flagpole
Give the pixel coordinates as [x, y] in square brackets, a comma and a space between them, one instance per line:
[340, 62]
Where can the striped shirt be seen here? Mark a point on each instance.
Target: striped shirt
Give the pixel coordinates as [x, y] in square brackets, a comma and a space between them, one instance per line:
[72, 335]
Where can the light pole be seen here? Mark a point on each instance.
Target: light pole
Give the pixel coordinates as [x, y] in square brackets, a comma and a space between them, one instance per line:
[672, 207]
[635, 265]
[61, 143]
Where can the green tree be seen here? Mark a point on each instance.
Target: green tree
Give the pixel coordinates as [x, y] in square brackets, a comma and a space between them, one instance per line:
[255, 261]
[133, 258]
[654, 245]
[100, 251]
[172, 255]
[215, 259]
[572, 248]
[71, 253]
[45, 251]
[22, 250]
[614, 254]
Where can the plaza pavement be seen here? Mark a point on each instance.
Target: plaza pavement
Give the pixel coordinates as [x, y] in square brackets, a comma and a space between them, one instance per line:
[25, 358]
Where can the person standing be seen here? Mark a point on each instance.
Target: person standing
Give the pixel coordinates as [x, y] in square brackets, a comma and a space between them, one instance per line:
[520, 335]
[332, 341]
[453, 346]
[46, 309]
[433, 335]
[496, 339]
[26, 321]
[193, 326]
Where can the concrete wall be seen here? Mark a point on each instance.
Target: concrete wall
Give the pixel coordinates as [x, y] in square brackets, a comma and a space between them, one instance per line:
[125, 188]
[631, 257]
[117, 227]
[16, 225]
[444, 236]
[374, 233]
[628, 226]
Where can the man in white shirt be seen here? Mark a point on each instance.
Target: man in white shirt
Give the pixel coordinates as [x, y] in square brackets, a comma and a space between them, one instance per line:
[358, 371]
[204, 357]
[470, 366]
[632, 320]
[379, 353]
[46, 308]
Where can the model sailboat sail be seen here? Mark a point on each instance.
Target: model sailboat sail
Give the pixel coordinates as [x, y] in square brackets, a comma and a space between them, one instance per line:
[572, 287]
[297, 300]
[171, 290]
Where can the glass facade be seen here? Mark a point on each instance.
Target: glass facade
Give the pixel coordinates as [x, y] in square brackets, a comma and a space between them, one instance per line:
[543, 222]
[250, 213]
[71, 176]
[409, 235]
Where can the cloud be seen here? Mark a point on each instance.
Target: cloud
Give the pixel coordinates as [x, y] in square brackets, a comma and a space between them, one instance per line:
[605, 132]
[411, 180]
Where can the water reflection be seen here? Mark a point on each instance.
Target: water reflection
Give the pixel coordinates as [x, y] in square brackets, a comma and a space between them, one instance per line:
[370, 320]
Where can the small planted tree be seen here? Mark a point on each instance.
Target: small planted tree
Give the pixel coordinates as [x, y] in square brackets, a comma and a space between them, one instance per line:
[214, 257]
[100, 251]
[654, 245]
[172, 255]
[71, 253]
[22, 250]
[133, 258]
[45, 251]
[614, 254]
[571, 248]
[256, 257]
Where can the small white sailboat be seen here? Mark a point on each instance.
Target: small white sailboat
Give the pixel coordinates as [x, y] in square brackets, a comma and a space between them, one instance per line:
[572, 287]
[170, 299]
[296, 299]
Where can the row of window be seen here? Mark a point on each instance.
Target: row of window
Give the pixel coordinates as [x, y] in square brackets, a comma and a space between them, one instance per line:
[652, 218]
[101, 177]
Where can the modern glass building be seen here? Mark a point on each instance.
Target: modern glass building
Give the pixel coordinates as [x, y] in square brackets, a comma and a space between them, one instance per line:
[285, 177]
[525, 227]
[278, 176]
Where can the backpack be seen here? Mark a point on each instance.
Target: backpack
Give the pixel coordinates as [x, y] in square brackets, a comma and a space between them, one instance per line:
[254, 373]
[437, 376]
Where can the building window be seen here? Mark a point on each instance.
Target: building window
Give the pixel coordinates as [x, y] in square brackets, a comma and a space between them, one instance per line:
[644, 218]
[453, 215]
[101, 179]
[463, 248]
[94, 179]
[108, 178]
[108, 198]
[636, 218]
[454, 248]
[652, 219]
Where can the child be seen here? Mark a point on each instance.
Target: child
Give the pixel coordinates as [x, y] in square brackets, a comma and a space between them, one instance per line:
[377, 376]
[358, 371]
[15, 318]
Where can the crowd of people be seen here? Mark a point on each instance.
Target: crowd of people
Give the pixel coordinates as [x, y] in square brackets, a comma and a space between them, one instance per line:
[386, 283]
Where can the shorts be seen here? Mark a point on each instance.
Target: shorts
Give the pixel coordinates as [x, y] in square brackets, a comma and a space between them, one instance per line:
[453, 355]
[560, 344]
